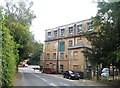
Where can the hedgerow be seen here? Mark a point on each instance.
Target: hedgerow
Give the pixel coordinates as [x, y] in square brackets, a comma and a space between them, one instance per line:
[9, 56]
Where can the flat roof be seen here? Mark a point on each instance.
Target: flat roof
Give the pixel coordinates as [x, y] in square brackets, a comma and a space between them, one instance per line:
[67, 24]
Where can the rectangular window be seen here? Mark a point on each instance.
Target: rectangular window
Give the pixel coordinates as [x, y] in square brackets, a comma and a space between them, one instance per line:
[48, 56]
[49, 33]
[70, 43]
[89, 26]
[55, 33]
[54, 55]
[61, 68]
[61, 56]
[70, 30]
[62, 46]
[79, 28]
[62, 32]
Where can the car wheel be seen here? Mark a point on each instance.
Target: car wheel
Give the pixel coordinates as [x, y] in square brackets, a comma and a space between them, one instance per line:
[69, 77]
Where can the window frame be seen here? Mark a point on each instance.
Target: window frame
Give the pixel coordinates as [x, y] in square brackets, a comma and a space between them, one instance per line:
[48, 56]
[62, 32]
[70, 43]
[61, 55]
[70, 30]
[55, 33]
[54, 57]
[79, 29]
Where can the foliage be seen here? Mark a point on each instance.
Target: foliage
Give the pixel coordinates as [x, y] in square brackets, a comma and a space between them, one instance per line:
[105, 42]
[19, 11]
[37, 51]
[16, 38]
[20, 17]
[9, 56]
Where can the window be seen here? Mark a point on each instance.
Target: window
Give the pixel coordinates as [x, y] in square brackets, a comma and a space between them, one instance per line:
[70, 43]
[61, 56]
[79, 28]
[62, 32]
[47, 65]
[79, 40]
[54, 55]
[61, 68]
[89, 26]
[48, 56]
[62, 46]
[55, 33]
[49, 33]
[70, 30]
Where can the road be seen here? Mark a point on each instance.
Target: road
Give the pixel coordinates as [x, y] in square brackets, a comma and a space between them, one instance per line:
[30, 77]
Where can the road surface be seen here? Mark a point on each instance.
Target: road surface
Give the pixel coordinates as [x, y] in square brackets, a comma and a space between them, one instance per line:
[30, 77]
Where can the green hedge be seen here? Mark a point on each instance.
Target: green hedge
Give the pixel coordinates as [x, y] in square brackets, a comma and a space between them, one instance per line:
[9, 57]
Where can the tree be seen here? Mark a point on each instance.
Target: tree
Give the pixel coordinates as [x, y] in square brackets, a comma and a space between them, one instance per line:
[105, 42]
[19, 11]
[20, 17]
[37, 51]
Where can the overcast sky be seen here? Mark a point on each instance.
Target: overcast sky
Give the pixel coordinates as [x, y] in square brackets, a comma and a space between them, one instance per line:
[53, 13]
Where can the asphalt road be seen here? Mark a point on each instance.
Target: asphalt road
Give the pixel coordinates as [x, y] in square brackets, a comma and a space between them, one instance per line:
[30, 77]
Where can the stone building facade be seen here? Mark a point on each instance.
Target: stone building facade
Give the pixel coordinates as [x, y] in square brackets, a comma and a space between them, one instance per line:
[64, 45]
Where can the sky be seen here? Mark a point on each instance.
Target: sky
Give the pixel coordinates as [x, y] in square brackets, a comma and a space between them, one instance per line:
[54, 13]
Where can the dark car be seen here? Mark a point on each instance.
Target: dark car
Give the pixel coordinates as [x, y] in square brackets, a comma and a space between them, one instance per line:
[71, 75]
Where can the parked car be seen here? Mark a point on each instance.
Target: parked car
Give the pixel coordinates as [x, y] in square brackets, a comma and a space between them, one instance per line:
[36, 68]
[49, 70]
[105, 72]
[26, 65]
[71, 75]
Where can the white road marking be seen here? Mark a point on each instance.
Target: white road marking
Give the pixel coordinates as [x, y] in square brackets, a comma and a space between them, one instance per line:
[45, 80]
[52, 84]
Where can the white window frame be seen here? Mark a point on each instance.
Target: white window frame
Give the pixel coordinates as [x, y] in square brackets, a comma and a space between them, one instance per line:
[70, 30]
[62, 31]
[55, 33]
[70, 43]
[62, 55]
[79, 28]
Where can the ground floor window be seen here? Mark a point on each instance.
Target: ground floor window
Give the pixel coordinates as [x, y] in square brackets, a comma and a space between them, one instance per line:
[61, 68]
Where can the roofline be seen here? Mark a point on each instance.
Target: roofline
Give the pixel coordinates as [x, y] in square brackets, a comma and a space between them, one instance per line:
[72, 48]
[68, 24]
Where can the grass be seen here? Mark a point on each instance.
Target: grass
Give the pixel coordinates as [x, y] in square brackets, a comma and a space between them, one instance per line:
[110, 82]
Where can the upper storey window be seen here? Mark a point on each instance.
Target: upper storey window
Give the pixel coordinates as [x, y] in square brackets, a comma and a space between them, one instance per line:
[49, 33]
[55, 33]
[70, 30]
[70, 43]
[89, 26]
[79, 28]
[62, 32]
